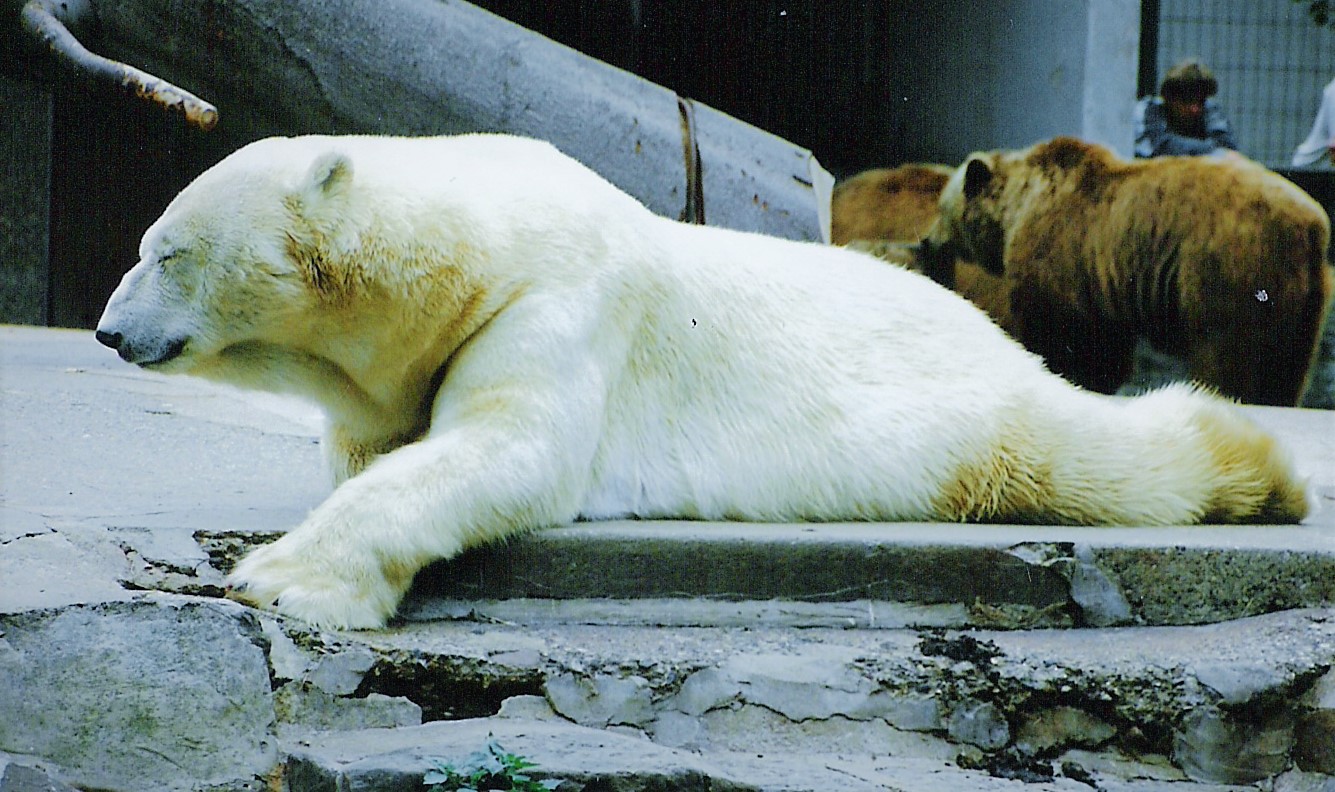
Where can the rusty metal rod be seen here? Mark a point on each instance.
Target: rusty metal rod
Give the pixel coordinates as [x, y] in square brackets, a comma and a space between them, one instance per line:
[43, 25]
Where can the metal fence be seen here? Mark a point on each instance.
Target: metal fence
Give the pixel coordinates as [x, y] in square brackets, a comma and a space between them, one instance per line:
[1271, 61]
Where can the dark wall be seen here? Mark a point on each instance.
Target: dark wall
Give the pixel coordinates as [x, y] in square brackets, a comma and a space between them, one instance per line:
[815, 73]
[25, 188]
[115, 164]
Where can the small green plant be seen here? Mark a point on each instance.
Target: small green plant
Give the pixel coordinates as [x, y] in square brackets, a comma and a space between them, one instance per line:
[1319, 11]
[491, 768]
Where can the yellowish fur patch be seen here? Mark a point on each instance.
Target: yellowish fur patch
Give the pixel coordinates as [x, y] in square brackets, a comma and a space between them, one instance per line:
[1253, 480]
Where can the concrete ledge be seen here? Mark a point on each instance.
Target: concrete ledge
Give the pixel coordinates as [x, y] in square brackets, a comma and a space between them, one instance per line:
[886, 575]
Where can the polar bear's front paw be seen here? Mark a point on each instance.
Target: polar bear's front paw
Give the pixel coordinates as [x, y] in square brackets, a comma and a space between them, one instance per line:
[345, 596]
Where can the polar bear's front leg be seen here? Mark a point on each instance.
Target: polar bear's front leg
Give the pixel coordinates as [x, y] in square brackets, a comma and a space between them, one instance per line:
[350, 563]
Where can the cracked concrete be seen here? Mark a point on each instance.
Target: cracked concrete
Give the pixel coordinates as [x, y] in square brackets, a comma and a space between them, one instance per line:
[625, 655]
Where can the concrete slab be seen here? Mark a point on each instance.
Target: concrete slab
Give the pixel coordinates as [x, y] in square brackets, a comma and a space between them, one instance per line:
[584, 758]
[99, 460]
[1217, 704]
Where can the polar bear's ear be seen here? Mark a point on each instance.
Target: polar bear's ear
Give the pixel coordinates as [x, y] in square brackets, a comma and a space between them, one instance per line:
[977, 175]
[330, 174]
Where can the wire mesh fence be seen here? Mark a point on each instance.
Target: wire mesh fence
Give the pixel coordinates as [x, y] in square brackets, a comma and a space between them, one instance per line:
[1271, 61]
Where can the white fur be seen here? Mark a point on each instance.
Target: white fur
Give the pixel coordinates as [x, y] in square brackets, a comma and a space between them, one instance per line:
[504, 341]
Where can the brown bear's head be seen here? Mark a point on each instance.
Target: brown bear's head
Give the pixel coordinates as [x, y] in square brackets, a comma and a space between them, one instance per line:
[969, 225]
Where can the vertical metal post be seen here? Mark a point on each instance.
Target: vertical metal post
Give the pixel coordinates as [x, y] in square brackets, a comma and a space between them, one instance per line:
[1147, 81]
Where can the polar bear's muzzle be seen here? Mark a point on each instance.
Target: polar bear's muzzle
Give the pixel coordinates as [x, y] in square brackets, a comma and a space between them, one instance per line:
[141, 352]
[142, 321]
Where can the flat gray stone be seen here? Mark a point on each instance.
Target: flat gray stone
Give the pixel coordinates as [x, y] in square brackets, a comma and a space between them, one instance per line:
[161, 693]
[979, 723]
[48, 569]
[301, 709]
[340, 673]
[1298, 781]
[17, 775]
[395, 759]
[601, 700]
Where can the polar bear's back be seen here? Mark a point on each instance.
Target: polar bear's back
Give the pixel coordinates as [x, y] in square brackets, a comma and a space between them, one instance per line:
[874, 312]
[767, 366]
[418, 171]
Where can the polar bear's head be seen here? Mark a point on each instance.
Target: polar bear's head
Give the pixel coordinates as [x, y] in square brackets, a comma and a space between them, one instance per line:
[236, 259]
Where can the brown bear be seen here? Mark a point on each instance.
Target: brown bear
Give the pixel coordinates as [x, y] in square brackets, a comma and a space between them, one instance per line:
[1219, 262]
[897, 204]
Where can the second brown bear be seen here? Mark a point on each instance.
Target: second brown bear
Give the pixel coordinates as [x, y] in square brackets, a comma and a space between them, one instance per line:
[1221, 263]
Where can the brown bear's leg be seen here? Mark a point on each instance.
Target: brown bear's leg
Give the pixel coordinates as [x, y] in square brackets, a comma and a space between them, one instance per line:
[1088, 351]
[1256, 364]
[1254, 334]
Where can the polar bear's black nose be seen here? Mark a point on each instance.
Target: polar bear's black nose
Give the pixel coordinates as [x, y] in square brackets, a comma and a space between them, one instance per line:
[112, 340]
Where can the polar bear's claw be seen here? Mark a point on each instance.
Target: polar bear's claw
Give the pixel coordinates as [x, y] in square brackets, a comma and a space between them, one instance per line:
[269, 580]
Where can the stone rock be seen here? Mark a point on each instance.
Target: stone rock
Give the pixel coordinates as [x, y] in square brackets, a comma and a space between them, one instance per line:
[979, 723]
[752, 729]
[303, 707]
[527, 707]
[816, 684]
[914, 713]
[161, 693]
[1314, 748]
[1237, 683]
[1062, 727]
[1101, 601]
[67, 572]
[395, 759]
[601, 701]
[286, 660]
[678, 730]
[1113, 764]
[1298, 781]
[1322, 694]
[705, 690]
[1212, 747]
[340, 673]
[16, 776]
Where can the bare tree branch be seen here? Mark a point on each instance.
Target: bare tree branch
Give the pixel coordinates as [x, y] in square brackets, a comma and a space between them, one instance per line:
[46, 28]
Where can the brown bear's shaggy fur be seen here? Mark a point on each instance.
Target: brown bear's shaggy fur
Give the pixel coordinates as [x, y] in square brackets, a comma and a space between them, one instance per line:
[898, 204]
[1222, 263]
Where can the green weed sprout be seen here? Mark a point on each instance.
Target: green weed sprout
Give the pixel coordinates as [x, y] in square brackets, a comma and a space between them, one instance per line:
[491, 768]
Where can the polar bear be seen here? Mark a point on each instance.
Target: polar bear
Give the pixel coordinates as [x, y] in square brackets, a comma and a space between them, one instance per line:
[503, 341]
[1220, 263]
[887, 212]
